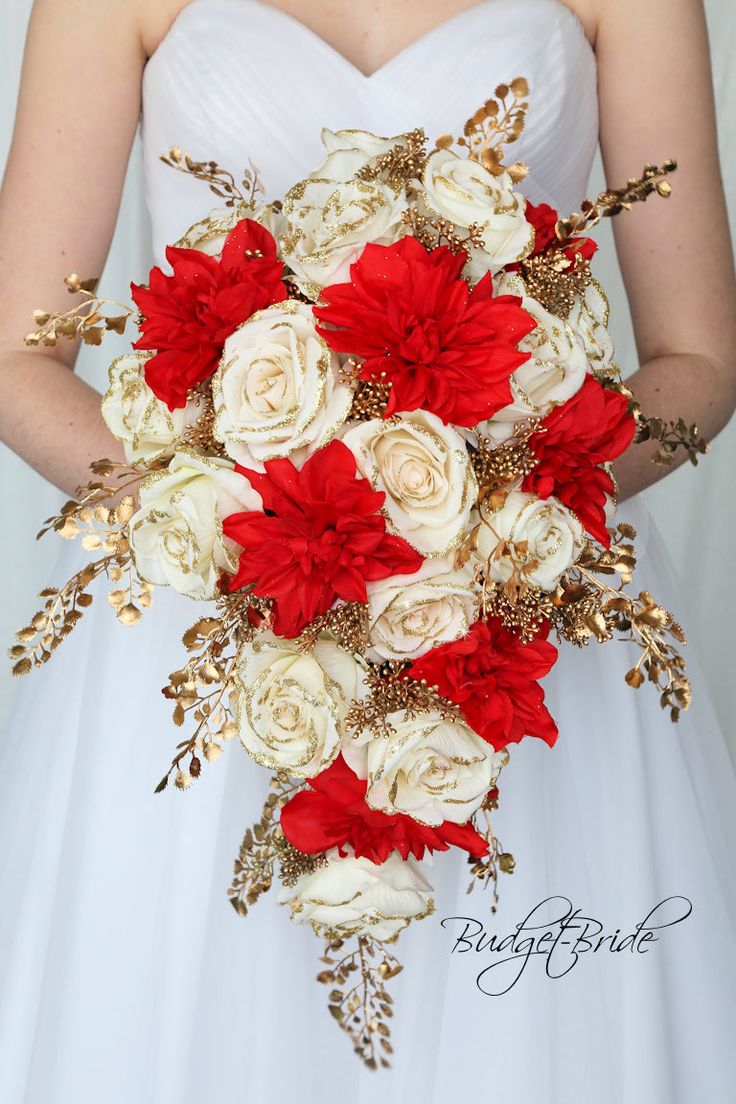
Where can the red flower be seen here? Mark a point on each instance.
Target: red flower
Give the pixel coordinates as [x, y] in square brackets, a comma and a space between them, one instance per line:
[443, 347]
[187, 316]
[322, 538]
[544, 220]
[590, 428]
[493, 677]
[334, 812]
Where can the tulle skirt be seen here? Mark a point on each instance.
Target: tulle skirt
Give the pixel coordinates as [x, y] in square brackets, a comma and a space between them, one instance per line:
[126, 977]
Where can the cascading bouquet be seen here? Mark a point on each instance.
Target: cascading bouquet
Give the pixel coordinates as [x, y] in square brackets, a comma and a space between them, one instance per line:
[373, 423]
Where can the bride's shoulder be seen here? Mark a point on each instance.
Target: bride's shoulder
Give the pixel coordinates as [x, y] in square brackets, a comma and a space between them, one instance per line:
[155, 21]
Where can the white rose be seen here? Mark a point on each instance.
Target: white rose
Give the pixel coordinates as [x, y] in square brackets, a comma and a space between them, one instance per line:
[349, 151]
[208, 235]
[176, 536]
[276, 391]
[431, 769]
[423, 467]
[329, 225]
[465, 193]
[354, 896]
[409, 614]
[535, 538]
[144, 424]
[292, 705]
[552, 375]
[589, 321]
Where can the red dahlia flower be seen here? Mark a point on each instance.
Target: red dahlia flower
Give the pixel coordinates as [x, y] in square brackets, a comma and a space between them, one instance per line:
[592, 427]
[493, 677]
[322, 538]
[444, 348]
[334, 812]
[187, 316]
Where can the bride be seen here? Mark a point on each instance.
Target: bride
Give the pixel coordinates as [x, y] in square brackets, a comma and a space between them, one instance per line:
[124, 976]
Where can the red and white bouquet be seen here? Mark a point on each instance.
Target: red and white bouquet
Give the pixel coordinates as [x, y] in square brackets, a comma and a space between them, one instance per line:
[373, 423]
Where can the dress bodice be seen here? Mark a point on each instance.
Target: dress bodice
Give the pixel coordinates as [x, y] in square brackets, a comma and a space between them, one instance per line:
[239, 81]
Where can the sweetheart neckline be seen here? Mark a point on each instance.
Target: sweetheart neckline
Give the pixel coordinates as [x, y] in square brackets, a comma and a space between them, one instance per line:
[321, 43]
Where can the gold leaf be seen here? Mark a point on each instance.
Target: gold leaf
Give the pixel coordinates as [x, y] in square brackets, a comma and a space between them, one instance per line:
[129, 614]
[125, 510]
[23, 667]
[634, 677]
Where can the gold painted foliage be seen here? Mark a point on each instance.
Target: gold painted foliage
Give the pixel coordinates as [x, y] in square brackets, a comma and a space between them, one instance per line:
[263, 846]
[103, 530]
[87, 321]
[222, 183]
[497, 123]
[586, 607]
[670, 436]
[358, 999]
[485, 870]
[614, 200]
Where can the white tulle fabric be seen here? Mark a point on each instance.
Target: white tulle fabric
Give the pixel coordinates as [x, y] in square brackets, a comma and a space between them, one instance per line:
[125, 977]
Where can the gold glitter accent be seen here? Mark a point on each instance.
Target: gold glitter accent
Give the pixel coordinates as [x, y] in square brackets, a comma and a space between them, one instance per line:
[370, 397]
[200, 434]
[293, 864]
[554, 280]
[522, 612]
[390, 691]
[401, 164]
[432, 231]
[498, 466]
[347, 623]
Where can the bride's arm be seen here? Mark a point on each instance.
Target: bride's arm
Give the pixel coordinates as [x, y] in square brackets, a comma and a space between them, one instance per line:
[656, 101]
[77, 115]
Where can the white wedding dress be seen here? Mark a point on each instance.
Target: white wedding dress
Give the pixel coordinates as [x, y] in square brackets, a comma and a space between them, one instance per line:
[125, 976]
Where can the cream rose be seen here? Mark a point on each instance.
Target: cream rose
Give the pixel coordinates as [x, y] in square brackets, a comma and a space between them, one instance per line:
[534, 538]
[589, 321]
[329, 225]
[176, 536]
[432, 769]
[144, 424]
[423, 467]
[409, 614]
[354, 896]
[466, 193]
[554, 372]
[208, 235]
[277, 390]
[291, 705]
[349, 151]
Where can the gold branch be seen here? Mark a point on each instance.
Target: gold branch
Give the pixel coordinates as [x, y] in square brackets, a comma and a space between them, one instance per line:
[221, 182]
[363, 1008]
[86, 320]
[614, 200]
[262, 846]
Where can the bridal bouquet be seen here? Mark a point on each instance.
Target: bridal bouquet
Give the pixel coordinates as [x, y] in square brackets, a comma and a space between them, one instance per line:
[372, 423]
